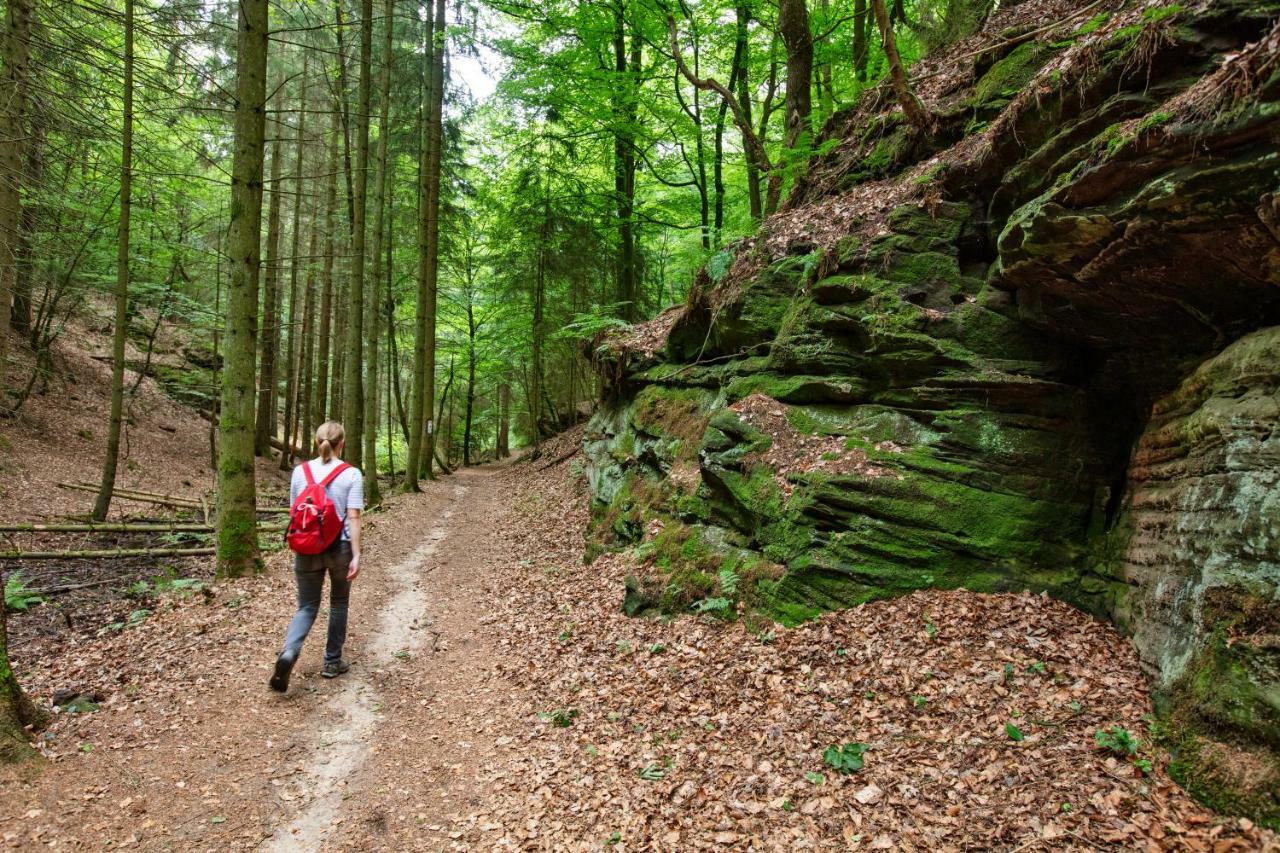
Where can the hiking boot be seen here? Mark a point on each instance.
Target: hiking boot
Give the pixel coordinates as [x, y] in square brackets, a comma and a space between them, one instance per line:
[280, 677]
[334, 668]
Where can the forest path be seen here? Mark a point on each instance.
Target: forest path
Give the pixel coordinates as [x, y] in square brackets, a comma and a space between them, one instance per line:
[412, 686]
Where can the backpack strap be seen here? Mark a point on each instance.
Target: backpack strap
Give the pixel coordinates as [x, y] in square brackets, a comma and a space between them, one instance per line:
[333, 475]
[306, 472]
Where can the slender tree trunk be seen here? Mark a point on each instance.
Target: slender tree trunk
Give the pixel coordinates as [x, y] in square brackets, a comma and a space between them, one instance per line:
[421, 425]
[700, 150]
[911, 106]
[793, 25]
[337, 345]
[471, 379]
[502, 448]
[294, 344]
[120, 333]
[626, 107]
[374, 309]
[13, 94]
[741, 48]
[324, 337]
[270, 329]
[353, 408]
[237, 510]
[25, 261]
[860, 42]
[826, 82]
[307, 424]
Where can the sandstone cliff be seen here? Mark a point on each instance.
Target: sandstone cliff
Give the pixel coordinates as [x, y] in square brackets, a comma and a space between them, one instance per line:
[1036, 348]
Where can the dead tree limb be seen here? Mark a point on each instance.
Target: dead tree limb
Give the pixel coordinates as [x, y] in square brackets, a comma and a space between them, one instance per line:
[118, 553]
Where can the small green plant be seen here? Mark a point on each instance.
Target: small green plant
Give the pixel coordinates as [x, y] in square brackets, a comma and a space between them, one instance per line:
[652, 773]
[17, 595]
[1039, 667]
[657, 649]
[138, 589]
[1015, 734]
[845, 759]
[815, 778]
[1066, 808]
[728, 581]
[767, 637]
[1143, 764]
[616, 838]
[623, 647]
[788, 806]
[918, 701]
[403, 654]
[1008, 673]
[1075, 707]
[85, 747]
[1118, 740]
[561, 718]
[137, 617]
[930, 628]
[718, 606]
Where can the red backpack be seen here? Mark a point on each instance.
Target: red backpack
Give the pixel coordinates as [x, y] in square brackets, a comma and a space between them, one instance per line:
[313, 519]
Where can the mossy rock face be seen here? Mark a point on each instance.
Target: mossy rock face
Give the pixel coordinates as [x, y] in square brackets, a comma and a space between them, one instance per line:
[1059, 371]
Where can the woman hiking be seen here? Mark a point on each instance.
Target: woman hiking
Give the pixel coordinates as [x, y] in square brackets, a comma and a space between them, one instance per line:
[326, 498]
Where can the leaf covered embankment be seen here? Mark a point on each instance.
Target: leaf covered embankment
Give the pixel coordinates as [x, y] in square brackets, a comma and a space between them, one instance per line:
[1026, 350]
[699, 733]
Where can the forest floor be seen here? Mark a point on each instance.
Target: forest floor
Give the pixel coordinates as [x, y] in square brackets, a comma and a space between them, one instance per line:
[499, 699]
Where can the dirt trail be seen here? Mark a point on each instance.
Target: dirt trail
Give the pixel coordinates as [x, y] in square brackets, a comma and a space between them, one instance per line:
[352, 713]
[190, 750]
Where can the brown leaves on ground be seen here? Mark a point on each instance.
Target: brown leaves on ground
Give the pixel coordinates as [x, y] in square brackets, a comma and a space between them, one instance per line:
[694, 734]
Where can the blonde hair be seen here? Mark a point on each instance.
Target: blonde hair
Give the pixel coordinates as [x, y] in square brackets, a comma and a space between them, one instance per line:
[328, 436]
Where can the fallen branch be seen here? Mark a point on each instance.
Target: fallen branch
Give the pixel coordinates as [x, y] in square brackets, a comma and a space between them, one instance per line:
[127, 495]
[125, 527]
[557, 461]
[119, 553]
[110, 527]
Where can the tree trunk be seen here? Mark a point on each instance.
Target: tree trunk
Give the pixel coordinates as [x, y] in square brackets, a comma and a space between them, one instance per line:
[793, 26]
[741, 49]
[911, 106]
[353, 401]
[270, 328]
[860, 51]
[324, 339]
[373, 311]
[25, 262]
[306, 423]
[421, 428]
[237, 510]
[502, 448]
[626, 69]
[471, 380]
[294, 345]
[119, 336]
[826, 83]
[13, 94]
